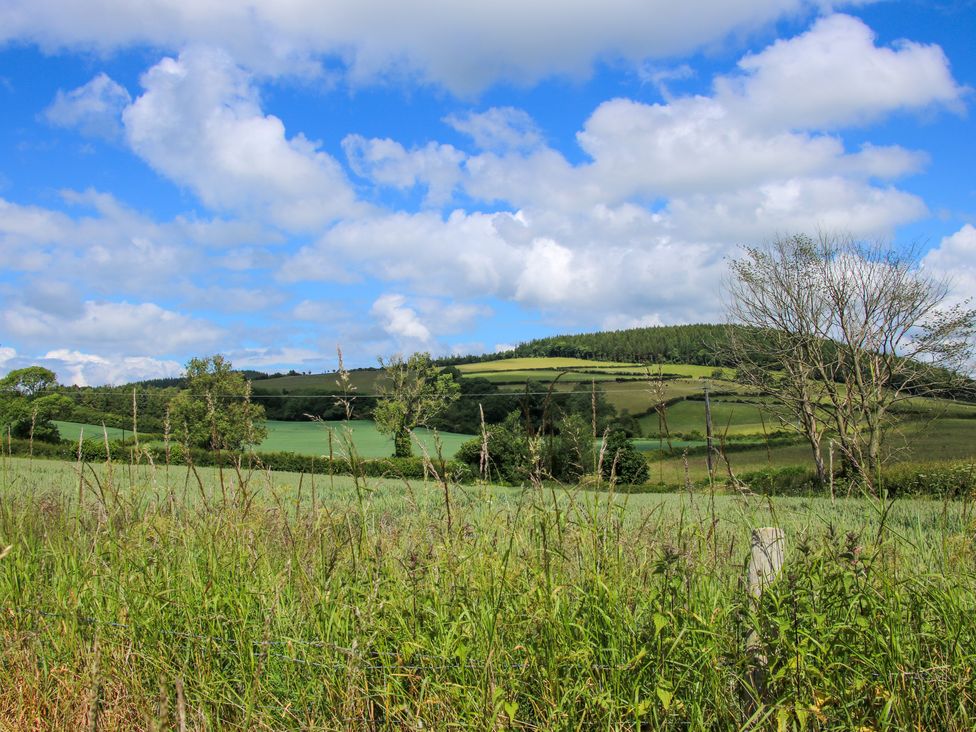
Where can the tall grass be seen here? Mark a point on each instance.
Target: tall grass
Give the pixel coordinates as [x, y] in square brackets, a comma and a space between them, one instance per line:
[140, 597]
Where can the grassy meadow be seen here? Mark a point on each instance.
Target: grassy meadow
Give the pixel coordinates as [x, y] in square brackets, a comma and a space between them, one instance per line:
[73, 430]
[312, 438]
[138, 597]
[309, 438]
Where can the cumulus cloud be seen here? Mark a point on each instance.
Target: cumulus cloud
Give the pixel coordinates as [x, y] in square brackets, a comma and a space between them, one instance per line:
[88, 369]
[388, 163]
[954, 260]
[401, 322]
[425, 323]
[462, 46]
[796, 204]
[634, 234]
[199, 122]
[834, 75]
[119, 328]
[100, 245]
[499, 129]
[459, 255]
[95, 109]
[765, 123]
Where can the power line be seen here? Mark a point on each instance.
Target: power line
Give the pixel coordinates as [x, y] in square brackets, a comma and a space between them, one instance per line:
[356, 395]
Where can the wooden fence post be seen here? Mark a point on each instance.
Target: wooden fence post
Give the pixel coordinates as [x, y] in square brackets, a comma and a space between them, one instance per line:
[765, 562]
[765, 559]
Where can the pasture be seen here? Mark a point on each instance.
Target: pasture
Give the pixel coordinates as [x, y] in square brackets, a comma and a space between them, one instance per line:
[942, 440]
[73, 430]
[151, 598]
[310, 438]
[549, 363]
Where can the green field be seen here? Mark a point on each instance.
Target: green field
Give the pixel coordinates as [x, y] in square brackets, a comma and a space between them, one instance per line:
[309, 438]
[158, 598]
[312, 438]
[72, 430]
[538, 375]
[523, 364]
[675, 369]
[731, 418]
[948, 439]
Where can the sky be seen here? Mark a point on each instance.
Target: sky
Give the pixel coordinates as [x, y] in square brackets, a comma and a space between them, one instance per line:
[273, 179]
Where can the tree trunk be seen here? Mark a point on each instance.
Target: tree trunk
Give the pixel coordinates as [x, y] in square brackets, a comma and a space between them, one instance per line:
[819, 462]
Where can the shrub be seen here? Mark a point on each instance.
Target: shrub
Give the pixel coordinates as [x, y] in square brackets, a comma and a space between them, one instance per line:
[789, 481]
[624, 461]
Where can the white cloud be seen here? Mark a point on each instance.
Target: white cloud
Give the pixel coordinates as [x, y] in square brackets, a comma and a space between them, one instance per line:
[619, 321]
[95, 108]
[388, 163]
[797, 204]
[315, 311]
[463, 46]
[199, 122]
[101, 246]
[499, 129]
[120, 328]
[549, 275]
[278, 357]
[460, 255]
[954, 260]
[87, 369]
[833, 75]
[401, 322]
[6, 355]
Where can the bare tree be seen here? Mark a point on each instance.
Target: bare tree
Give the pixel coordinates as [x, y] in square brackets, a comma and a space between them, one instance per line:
[840, 331]
[773, 292]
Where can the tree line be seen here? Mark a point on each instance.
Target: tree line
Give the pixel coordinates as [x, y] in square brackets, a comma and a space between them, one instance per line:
[700, 344]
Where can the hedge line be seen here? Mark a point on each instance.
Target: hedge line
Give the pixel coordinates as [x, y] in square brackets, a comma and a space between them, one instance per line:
[94, 451]
[955, 479]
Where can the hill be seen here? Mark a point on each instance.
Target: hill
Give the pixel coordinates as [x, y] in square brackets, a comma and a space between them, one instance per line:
[699, 344]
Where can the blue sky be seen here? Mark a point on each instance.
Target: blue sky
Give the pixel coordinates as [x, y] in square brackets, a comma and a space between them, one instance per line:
[270, 180]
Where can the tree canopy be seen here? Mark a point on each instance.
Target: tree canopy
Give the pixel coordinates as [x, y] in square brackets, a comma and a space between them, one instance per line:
[28, 405]
[215, 410]
[414, 392]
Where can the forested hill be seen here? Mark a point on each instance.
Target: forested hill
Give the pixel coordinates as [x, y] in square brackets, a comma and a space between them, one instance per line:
[700, 344]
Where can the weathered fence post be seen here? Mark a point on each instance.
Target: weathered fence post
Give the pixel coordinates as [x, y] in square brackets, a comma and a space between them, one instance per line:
[765, 562]
[766, 558]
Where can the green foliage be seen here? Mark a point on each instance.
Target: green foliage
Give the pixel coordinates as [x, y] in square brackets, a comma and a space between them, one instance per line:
[506, 459]
[414, 393]
[622, 461]
[477, 396]
[215, 410]
[27, 405]
[943, 480]
[793, 480]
